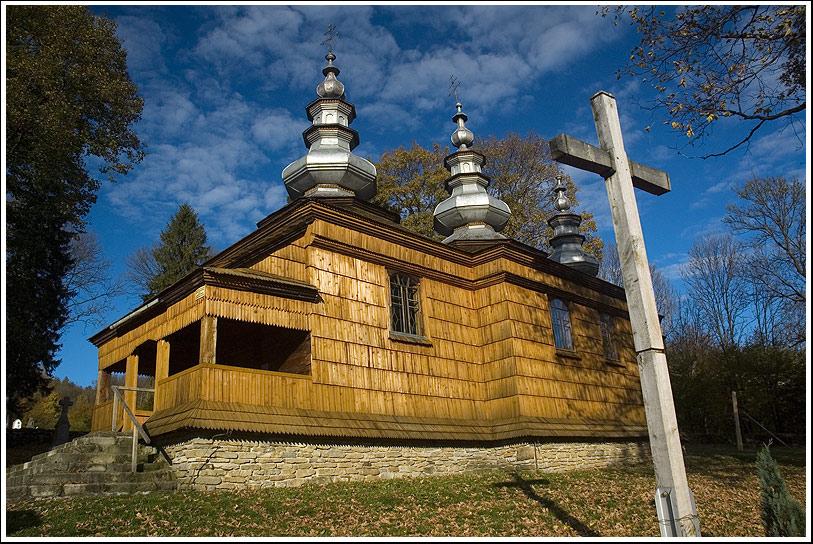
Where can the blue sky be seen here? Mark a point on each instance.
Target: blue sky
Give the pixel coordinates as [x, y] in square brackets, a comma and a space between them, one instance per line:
[225, 90]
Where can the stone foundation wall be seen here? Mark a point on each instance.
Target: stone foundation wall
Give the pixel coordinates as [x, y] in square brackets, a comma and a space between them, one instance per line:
[207, 464]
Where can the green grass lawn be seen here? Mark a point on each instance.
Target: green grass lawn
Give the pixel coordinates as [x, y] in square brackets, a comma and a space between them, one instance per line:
[529, 504]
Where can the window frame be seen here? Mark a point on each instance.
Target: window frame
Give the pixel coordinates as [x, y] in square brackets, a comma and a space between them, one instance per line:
[555, 317]
[411, 307]
[608, 338]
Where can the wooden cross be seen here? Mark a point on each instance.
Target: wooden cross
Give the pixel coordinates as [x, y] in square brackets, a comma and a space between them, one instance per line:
[453, 86]
[675, 502]
[330, 35]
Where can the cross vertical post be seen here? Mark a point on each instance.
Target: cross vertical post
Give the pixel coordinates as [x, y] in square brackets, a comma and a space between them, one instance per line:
[674, 500]
[453, 85]
[330, 34]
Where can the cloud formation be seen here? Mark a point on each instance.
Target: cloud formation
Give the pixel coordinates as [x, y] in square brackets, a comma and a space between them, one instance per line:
[224, 106]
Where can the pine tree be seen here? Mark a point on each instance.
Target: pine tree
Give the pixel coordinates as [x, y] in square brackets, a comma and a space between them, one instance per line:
[181, 249]
[781, 514]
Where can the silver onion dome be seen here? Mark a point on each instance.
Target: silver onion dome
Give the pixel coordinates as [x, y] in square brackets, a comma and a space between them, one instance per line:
[566, 241]
[330, 169]
[462, 137]
[470, 213]
[330, 87]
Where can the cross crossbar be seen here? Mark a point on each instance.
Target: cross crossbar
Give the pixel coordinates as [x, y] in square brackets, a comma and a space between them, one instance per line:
[574, 152]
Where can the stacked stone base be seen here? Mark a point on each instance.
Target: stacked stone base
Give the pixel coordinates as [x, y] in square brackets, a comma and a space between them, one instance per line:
[242, 463]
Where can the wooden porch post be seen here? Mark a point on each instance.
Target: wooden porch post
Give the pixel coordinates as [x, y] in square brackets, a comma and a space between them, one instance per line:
[130, 380]
[103, 387]
[161, 373]
[208, 340]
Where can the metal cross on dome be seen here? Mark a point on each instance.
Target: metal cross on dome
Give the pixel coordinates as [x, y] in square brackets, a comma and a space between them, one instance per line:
[453, 86]
[331, 33]
[455, 83]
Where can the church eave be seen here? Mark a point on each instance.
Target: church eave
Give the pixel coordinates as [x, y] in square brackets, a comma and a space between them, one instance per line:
[235, 279]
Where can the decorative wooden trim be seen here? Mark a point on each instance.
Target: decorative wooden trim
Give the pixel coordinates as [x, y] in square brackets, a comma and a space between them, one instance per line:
[245, 279]
[202, 414]
[236, 279]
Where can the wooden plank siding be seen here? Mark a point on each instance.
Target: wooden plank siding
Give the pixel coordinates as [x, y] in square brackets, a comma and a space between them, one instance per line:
[486, 367]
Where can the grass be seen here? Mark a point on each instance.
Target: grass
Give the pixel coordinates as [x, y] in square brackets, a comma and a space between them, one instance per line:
[598, 503]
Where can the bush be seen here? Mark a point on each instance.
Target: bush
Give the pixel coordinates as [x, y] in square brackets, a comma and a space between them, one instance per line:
[781, 514]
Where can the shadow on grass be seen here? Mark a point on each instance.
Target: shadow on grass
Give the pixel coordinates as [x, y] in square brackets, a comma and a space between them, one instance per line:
[19, 520]
[526, 486]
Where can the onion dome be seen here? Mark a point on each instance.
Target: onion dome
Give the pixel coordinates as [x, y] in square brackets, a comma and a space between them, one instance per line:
[470, 213]
[330, 87]
[330, 168]
[567, 242]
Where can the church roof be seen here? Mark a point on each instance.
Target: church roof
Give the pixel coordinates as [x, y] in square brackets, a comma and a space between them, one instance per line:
[230, 266]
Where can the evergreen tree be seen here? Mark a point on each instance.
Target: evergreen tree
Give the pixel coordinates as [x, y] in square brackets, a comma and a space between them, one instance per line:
[182, 248]
[781, 514]
[68, 96]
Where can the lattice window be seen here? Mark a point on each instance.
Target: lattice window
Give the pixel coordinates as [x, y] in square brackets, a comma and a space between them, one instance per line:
[405, 308]
[608, 337]
[560, 316]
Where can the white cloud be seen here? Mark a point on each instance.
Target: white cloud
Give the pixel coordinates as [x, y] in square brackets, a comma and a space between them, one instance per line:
[223, 153]
[277, 129]
[144, 40]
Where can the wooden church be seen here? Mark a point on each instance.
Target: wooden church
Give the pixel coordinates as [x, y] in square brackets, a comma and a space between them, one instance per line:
[333, 343]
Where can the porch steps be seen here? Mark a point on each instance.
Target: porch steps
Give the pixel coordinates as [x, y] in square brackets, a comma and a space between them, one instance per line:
[98, 463]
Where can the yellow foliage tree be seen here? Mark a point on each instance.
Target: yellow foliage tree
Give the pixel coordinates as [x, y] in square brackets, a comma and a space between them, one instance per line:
[522, 173]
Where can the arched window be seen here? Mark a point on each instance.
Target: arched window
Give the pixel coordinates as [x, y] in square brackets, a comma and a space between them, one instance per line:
[560, 316]
[405, 306]
[608, 337]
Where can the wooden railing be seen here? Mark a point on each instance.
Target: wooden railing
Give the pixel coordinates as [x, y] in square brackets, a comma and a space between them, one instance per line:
[235, 384]
[103, 416]
[118, 398]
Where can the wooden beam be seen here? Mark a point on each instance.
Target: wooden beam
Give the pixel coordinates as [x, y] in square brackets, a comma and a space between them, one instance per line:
[161, 371]
[574, 152]
[664, 439]
[208, 340]
[103, 387]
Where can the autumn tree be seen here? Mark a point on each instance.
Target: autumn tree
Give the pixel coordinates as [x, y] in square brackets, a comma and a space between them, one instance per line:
[43, 409]
[410, 182]
[522, 174]
[68, 98]
[708, 63]
[771, 216]
[182, 248]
